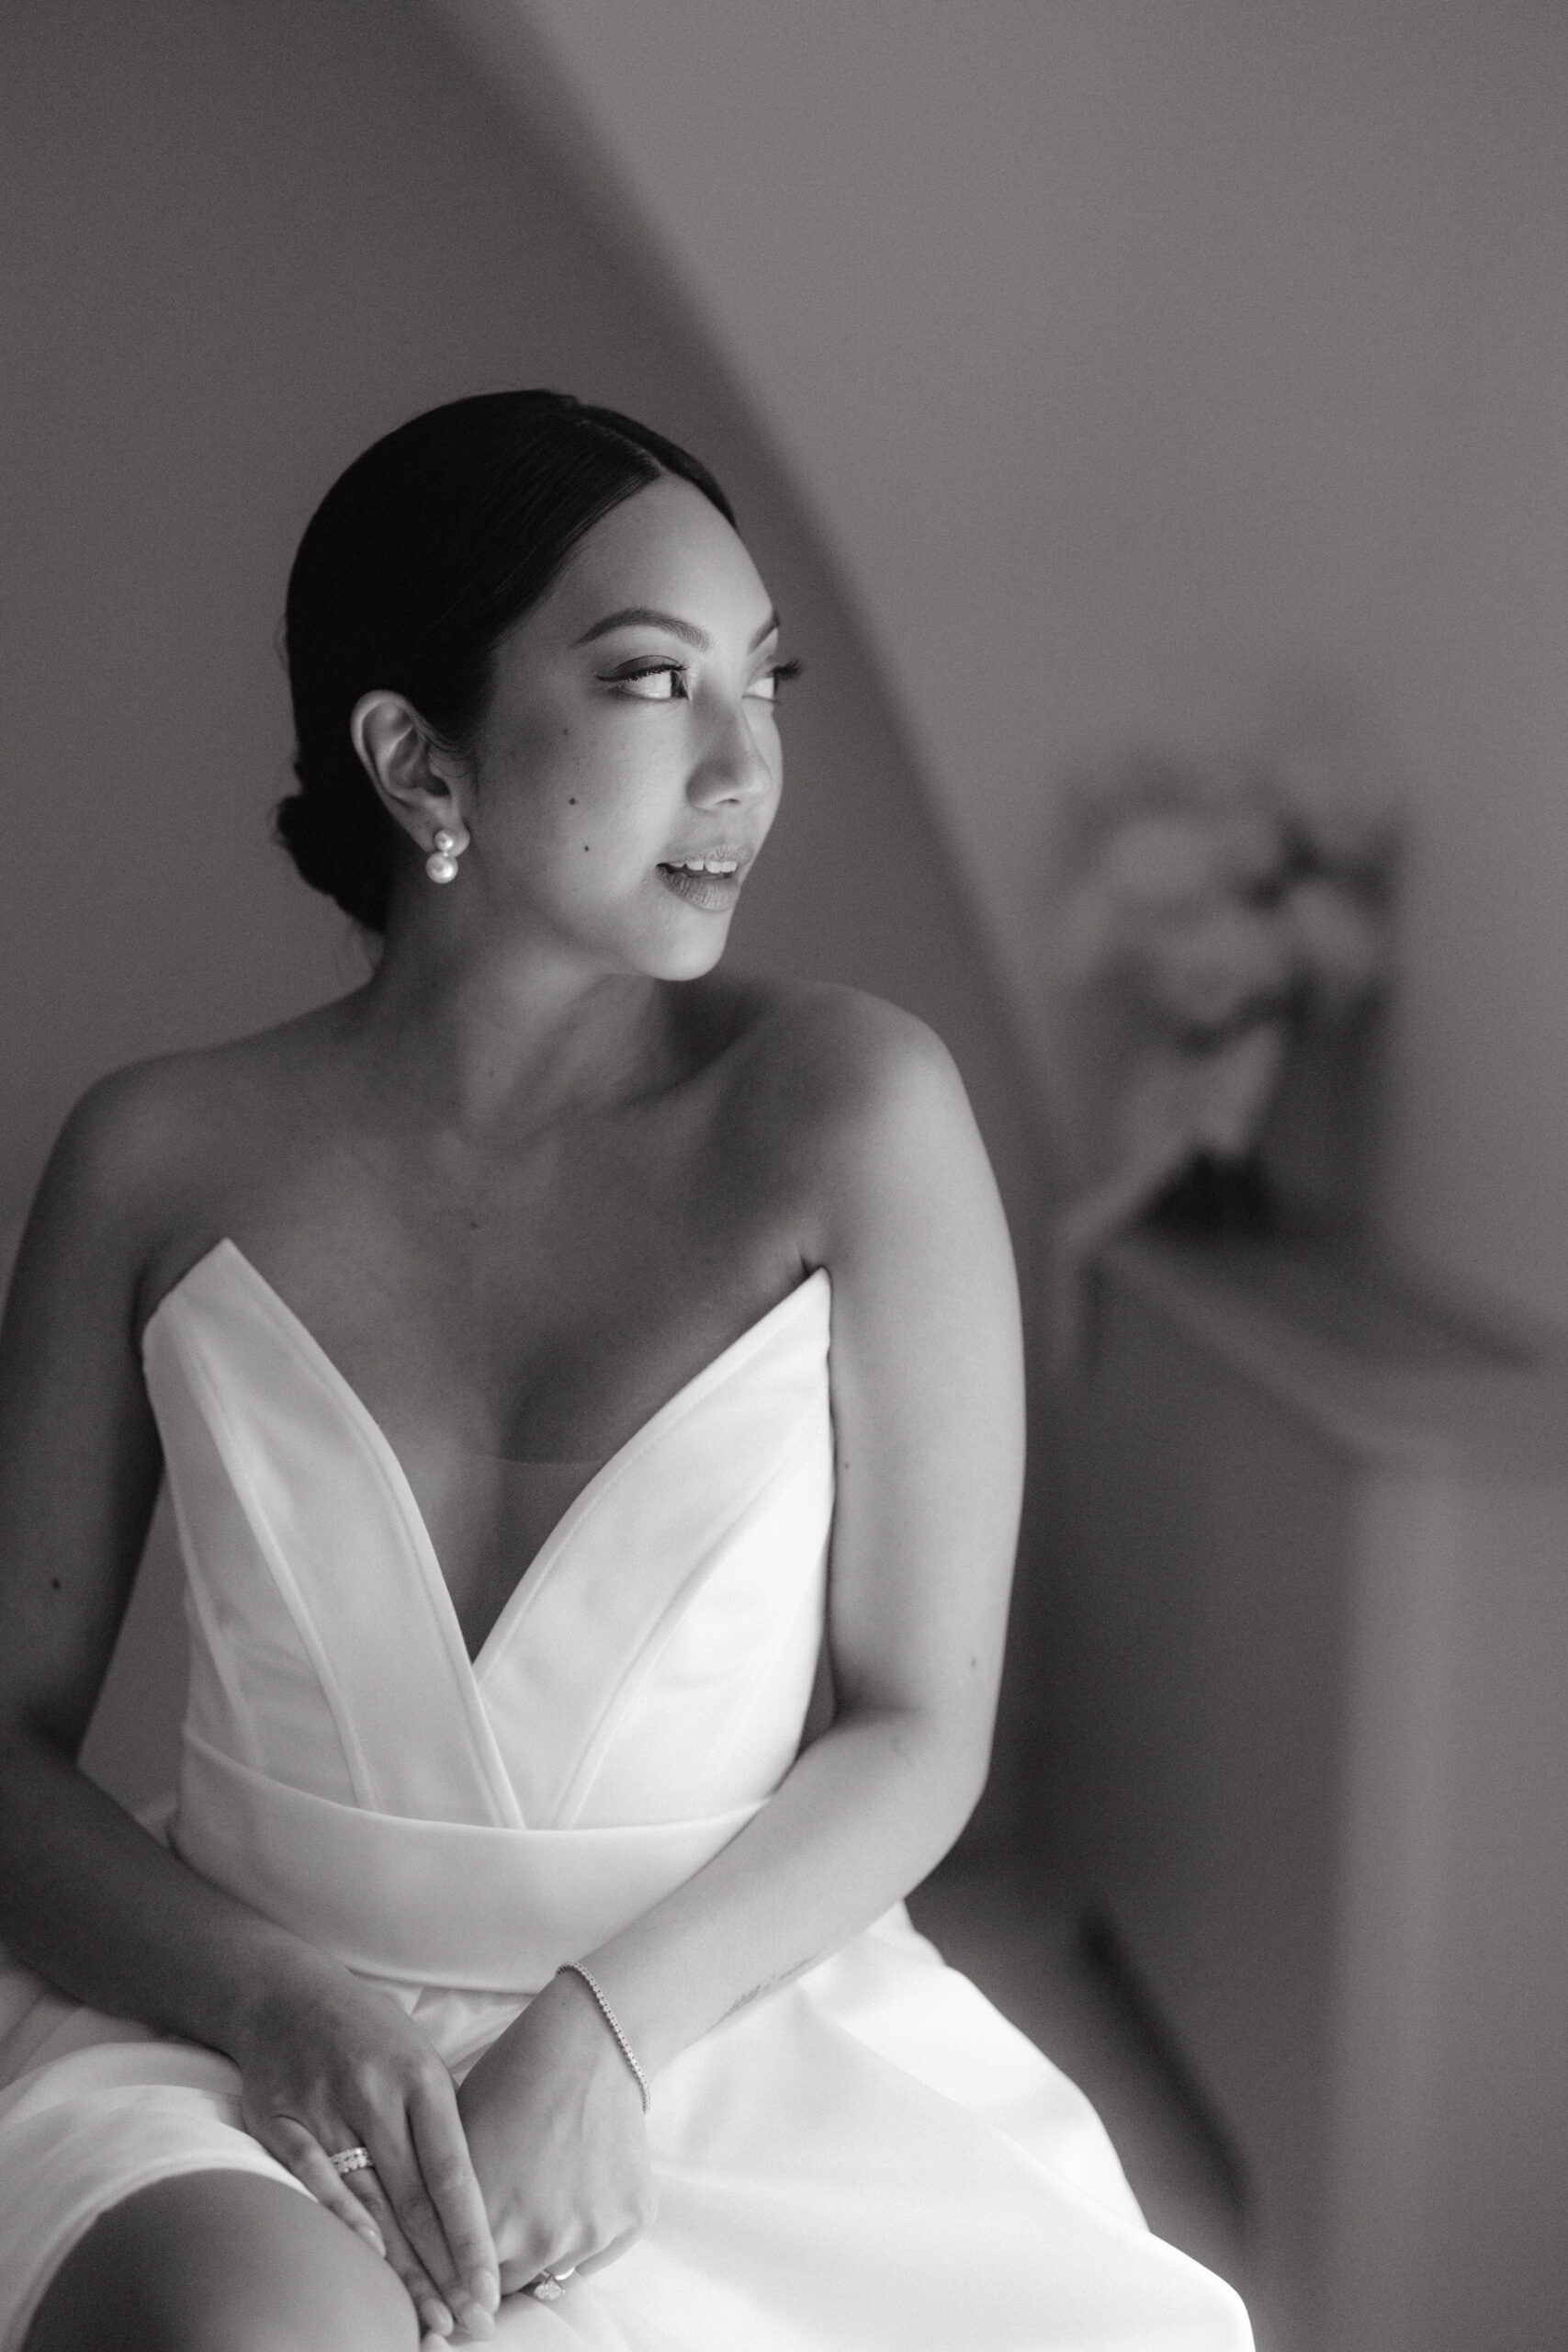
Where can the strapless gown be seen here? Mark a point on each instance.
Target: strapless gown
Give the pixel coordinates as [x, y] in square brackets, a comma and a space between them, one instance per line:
[870, 2160]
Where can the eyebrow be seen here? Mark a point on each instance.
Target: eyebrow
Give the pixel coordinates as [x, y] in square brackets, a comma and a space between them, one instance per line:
[648, 616]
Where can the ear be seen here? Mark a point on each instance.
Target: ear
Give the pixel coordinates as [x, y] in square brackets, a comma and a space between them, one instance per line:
[414, 778]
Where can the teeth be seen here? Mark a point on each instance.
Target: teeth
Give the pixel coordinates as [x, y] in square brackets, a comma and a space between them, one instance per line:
[704, 865]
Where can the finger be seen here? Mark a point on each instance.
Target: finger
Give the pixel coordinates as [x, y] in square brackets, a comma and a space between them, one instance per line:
[442, 2147]
[541, 2250]
[403, 2204]
[589, 2263]
[441, 2306]
[328, 2183]
[434, 2311]
[548, 2284]
[293, 2146]
[357, 2199]
[522, 2271]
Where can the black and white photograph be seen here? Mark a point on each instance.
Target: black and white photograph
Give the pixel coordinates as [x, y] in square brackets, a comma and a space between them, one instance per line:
[784, 1175]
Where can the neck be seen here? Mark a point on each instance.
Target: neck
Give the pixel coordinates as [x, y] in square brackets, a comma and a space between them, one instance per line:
[490, 1032]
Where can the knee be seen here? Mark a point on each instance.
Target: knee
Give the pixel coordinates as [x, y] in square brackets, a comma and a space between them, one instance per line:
[335, 2297]
[223, 2262]
[339, 2316]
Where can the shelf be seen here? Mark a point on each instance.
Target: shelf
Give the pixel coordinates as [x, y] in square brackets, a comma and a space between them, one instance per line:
[1377, 1352]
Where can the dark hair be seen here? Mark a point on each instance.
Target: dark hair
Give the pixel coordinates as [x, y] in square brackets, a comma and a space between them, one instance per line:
[417, 562]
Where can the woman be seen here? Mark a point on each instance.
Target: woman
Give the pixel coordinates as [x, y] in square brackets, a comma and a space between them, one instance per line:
[590, 1395]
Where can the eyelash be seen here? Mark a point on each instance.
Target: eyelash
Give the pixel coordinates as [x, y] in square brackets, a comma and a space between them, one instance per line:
[781, 675]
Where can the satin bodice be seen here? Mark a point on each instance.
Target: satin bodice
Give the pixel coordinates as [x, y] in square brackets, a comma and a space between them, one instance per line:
[642, 1691]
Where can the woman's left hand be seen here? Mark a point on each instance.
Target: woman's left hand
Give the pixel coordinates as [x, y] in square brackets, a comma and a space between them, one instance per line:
[555, 2129]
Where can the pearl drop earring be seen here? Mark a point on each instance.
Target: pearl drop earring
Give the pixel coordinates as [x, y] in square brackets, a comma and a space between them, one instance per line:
[442, 864]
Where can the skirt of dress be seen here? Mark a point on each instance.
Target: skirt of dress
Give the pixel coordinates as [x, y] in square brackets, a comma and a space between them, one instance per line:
[871, 2160]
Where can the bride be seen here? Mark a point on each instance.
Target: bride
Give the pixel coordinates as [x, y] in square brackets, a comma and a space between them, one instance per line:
[590, 1392]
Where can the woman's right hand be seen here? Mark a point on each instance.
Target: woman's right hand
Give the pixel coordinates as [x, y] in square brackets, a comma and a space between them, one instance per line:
[332, 2064]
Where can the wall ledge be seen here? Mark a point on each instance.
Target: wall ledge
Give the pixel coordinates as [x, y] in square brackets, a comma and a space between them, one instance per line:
[1382, 1355]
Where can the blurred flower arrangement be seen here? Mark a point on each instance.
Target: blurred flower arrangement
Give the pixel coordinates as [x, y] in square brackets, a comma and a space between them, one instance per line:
[1224, 911]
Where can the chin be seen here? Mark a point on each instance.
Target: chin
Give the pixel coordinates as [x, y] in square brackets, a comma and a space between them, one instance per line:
[683, 950]
[688, 959]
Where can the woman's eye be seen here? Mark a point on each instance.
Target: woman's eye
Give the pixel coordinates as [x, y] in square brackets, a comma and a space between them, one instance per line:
[766, 688]
[651, 680]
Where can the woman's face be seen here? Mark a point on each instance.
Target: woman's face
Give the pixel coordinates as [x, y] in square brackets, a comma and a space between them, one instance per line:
[627, 767]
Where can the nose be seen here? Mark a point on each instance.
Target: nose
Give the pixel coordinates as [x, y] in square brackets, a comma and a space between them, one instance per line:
[733, 767]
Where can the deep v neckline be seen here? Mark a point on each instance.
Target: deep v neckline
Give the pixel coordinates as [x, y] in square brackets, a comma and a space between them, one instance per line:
[304, 1340]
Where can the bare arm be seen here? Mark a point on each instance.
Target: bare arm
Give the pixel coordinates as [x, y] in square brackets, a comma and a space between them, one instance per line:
[928, 1412]
[927, 1391]
[86, 1898]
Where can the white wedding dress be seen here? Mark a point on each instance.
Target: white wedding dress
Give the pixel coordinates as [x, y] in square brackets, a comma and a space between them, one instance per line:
[870, 2160]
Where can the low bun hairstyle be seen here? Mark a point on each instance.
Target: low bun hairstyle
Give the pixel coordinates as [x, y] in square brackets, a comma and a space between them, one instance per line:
[419, 559]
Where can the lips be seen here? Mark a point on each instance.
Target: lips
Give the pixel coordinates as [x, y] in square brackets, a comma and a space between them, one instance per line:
[708, 878]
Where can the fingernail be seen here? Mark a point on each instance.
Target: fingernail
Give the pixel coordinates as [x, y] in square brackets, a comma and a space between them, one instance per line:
[373, 2238]
[478, 2322]
[486, 2288]
[438, 2318]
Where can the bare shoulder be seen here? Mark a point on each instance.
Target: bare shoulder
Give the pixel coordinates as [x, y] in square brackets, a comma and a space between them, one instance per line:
[147, 1148]
[859, 1099]
[842, 1064]
[145, 1135]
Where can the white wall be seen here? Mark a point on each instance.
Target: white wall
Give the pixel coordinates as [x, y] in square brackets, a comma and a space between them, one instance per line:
[1147, 365]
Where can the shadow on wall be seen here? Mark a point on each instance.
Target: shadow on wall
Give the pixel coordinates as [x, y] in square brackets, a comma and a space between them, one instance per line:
[244, 242]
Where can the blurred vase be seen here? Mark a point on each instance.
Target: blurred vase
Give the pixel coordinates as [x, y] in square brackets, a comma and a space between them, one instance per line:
[1213, 1196]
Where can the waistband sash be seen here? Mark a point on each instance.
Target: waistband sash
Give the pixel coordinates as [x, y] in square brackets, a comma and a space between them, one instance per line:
[429, 1903]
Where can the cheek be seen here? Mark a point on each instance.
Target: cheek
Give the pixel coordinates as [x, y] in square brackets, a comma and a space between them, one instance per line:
[615, 810]
[557, 790]
[598, 838]
[588, 812]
